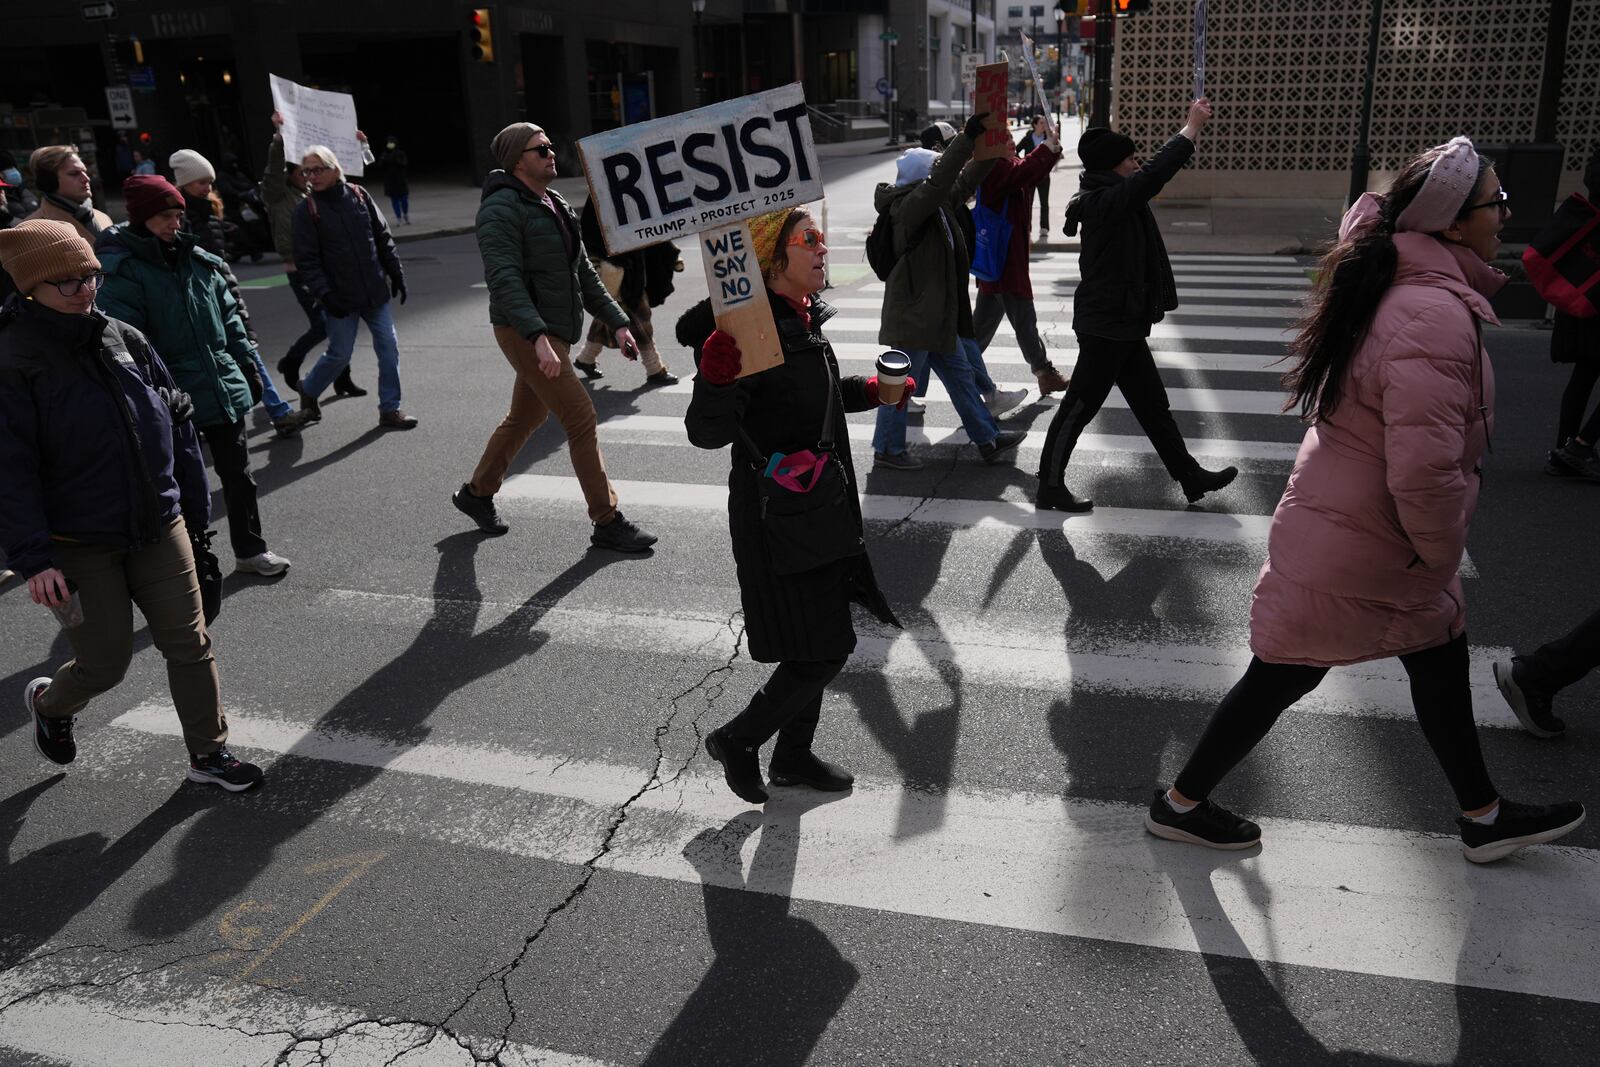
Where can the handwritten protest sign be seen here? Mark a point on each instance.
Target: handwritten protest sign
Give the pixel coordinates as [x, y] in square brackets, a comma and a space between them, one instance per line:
[1033, 75]
[704, 172]
[315, 116]
[990, 95]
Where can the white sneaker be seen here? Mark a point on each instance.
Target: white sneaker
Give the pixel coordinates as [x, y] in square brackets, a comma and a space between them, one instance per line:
[915, 407]
[268, 565]
[1003, 400]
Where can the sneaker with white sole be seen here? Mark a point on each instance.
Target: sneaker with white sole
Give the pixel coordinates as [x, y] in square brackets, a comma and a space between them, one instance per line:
[51, 736]
[225, 769]
[1205, 824]
[916, 407]
[1531, 704]
[1003, 400]
[896, 461]
[1518, 826]
[268, 564]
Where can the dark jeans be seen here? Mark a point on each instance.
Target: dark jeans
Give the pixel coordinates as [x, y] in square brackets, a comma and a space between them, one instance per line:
[1128, 365]
[231, 456]
[401, 206]
[789, 705]
[992, 307]
[1575, 400]
[1567, 658]
[1441, 693]
[1044, 205]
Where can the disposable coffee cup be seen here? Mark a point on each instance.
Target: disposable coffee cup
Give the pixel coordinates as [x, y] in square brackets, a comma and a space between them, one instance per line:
[893, 366]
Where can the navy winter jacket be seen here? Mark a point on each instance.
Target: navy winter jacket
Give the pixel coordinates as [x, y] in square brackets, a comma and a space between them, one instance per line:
[343, 249]
[88, 451]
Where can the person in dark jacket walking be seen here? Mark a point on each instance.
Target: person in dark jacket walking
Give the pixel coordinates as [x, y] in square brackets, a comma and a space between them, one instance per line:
[635, 280]
[540, 281]
[1027, 144]
[104, 491]
[346, 257]
[396, 184]
[159, 281]
[801, 621]
[1125, 286]
[1577, 341]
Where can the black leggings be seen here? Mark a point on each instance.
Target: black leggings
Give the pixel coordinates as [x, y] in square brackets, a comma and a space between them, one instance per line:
[1575, 400]
[1440, 693]
[789, 705]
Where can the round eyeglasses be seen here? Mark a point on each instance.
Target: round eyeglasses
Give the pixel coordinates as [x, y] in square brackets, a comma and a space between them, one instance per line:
[74, 286]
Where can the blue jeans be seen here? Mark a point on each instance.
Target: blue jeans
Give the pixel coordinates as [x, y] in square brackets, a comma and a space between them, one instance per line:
[276, 406]
[980, 370]
[342, 342]
[401, 205]
[956, 373]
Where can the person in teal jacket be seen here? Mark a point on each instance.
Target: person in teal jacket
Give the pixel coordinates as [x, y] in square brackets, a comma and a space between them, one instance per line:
[160, 282]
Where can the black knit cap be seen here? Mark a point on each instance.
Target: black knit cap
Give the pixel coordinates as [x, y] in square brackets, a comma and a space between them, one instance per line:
[1102, 148]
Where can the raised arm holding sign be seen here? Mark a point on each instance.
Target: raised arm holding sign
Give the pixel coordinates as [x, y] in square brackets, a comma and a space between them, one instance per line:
[1038, 86]
[315, 116]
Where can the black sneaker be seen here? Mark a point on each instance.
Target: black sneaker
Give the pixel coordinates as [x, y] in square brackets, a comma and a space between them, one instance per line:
[480, 509]
[805, 768]
[1531, 703]
[1518, 826]
[52, 737]
[1579, 459]
[741, 768]
[1004, 442]
[1206, 824]
[620, 535]
[1554, 467]
[1203, 481]
[1060, 498]
[660, 378]
[588, 370]
[222, 768]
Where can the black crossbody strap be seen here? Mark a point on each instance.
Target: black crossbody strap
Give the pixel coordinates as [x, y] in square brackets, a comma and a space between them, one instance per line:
[824, 440]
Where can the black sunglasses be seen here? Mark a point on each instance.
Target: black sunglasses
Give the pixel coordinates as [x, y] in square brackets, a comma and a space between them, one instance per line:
[1498, 200]
[544, 150]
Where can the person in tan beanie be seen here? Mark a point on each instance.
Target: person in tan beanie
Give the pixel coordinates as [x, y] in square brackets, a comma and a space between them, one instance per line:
[84, 400]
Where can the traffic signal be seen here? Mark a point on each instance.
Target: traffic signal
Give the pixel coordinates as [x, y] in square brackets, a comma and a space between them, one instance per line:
[1133, 7]
[482, 35]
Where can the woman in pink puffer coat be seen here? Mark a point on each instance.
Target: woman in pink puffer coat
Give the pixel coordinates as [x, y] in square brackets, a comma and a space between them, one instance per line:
[1365, 546]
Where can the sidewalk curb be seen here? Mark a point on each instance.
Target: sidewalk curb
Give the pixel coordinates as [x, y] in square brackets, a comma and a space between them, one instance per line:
[428, 235]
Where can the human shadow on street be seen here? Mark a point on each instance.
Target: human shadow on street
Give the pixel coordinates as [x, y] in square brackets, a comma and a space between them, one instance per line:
[777, 981]
[15, 717]
[283, 467]
[393, 706]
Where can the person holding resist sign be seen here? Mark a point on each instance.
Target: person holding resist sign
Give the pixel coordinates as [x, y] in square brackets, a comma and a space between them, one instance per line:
[794, 516]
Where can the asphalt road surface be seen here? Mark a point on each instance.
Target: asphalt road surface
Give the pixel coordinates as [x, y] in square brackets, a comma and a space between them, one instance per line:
[489, 828]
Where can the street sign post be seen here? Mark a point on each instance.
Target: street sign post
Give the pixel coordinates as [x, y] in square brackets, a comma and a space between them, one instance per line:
[884, 88]
[96, 12]
[119, 101]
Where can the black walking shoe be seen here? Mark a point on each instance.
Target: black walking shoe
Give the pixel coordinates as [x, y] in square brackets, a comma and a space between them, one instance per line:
[1206, 824]
[805, 768]
[343, 386]
[1004, 442]
[1518, 826]
[659, 378]
[289, 371]
[1554, 466]
[222, 768]
[1579, 460]
[480, 509]
[1060, 498]
[620, 535]
[1203, 481]
[588, 370]
[52, 737]
[741, 768]
[310, 410]
[1531, 703]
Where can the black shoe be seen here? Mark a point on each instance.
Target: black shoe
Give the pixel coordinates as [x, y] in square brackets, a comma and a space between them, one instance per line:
[1531, 703]
[310, 410]
[52, 737]
[741, 768]
[660, 377]
[620, 535]
[1004, 442]
[1203, 481]
[588, 370]
[804, 768]
[289, 371]
[1557, 468]
[1206, 824]
[480, 509]
[1579, 459]
[343, 386]
[1060, 498]
[1518, 826]
[221, 768]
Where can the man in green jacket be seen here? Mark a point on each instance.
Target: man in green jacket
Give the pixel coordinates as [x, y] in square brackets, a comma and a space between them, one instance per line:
[540, 282]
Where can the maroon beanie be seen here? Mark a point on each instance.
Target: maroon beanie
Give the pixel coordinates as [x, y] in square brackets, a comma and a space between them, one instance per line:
[147, 195]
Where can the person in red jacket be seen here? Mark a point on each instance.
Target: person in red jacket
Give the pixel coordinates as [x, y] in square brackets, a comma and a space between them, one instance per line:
[1009, 189]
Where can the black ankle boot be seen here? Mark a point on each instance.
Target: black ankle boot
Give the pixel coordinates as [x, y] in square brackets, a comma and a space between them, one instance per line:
[741, 767]
[1203, 481]
[805, 768]
[343, 386]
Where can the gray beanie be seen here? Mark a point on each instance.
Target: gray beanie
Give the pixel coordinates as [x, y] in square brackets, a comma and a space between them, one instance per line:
[508, 144]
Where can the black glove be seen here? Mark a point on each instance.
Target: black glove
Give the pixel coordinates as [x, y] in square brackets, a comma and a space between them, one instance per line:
[975, 127]
[252, 378]
[397, 287]
[179, 404]
[333, 307]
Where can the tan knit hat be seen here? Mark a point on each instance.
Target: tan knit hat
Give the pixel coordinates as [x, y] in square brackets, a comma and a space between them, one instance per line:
[41, 250]
[507, 146]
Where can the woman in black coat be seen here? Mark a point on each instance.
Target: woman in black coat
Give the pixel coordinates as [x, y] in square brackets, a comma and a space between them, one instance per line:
[799, 621]
[1577, 341]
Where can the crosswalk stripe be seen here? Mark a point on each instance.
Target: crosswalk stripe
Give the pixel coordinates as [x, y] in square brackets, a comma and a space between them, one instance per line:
[1022, 861]
[1295, 297]
[1249, 362]
[1056, 308]
[1166, 330]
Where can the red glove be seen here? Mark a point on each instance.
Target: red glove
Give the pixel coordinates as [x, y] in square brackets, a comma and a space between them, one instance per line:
[872, 391]
[719, 358]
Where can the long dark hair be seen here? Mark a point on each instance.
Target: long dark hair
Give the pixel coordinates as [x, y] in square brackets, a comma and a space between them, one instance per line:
[1354, 275]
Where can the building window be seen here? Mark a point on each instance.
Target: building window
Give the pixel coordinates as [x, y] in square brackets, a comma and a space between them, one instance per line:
[1015, 11]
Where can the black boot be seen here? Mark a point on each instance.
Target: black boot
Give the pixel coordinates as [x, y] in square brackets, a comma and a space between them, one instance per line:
[343, 386]
[741, 767]
[289, 370]
[1202, 481]
[805, 768]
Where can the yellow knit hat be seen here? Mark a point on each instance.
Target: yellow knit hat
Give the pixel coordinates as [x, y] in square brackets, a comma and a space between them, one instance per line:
[43, 250]
[764, 230]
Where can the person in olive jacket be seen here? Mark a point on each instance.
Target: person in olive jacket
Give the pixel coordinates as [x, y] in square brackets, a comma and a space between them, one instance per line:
[540, 281]
[104, 492]
[160, 282]
[801, 621]
[346, 258]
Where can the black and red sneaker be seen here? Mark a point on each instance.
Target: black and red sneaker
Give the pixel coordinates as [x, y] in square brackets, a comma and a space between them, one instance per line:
[52, 737]
[223, 768]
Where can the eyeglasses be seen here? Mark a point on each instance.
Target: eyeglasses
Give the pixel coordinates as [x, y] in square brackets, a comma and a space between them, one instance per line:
[74, 286]
[312, 172]
[811, 239]
[545, 150]
[1498, 200]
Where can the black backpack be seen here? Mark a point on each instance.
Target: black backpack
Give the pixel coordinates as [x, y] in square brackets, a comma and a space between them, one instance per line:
[880, 246]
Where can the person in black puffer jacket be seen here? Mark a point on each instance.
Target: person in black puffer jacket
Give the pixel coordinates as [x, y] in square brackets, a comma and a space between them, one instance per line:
[105, 490]
[1577, 341]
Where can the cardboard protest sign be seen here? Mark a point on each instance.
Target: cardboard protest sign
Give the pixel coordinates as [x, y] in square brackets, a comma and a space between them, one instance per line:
[315, 116]
[990, 95]
[704, 172]
[1033, 75]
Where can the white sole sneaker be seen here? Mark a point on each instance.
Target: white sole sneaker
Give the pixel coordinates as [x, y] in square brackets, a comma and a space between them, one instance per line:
[1172, 833]
[1507, 683]
[1499, 850]
[277, 566]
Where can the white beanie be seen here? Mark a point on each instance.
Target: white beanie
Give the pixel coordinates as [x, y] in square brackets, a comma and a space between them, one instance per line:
[915, 165]
[190, 166]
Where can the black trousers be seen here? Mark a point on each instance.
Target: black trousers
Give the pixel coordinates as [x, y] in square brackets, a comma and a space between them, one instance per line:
[1441, 694]
[1128, 365]
[990, 308]
[789, 705]
[1575, 400]
[1043, 189]
[231, 457]
[1566, 659]
[316, 332]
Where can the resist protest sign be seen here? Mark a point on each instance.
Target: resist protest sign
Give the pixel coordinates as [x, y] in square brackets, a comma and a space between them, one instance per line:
[315, 116]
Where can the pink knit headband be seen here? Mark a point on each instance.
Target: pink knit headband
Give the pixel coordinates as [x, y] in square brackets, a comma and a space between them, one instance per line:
[1450, 181]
